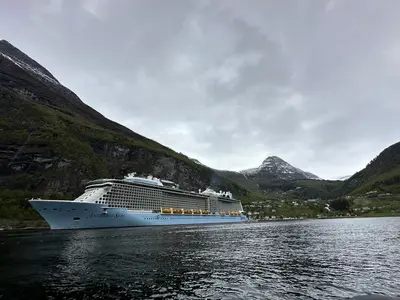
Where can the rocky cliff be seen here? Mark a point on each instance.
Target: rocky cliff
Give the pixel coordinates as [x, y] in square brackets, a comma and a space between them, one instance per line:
[51, 143]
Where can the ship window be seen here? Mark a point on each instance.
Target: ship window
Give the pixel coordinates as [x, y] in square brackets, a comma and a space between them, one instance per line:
[76, 218]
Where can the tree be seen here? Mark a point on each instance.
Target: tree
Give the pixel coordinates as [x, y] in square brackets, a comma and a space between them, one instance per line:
[340, 204]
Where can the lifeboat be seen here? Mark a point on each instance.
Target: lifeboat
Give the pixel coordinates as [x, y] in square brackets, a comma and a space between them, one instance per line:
[166, 210]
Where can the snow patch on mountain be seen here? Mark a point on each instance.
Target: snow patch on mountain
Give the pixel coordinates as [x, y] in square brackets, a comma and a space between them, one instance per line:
[342, 178]
[29, 68]
[249, 171]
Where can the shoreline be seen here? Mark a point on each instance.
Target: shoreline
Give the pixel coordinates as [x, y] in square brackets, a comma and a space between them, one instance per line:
[7, 225]
[324, 218]
[14, 226]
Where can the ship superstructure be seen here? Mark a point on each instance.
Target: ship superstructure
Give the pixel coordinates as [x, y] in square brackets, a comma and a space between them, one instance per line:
[139, 201]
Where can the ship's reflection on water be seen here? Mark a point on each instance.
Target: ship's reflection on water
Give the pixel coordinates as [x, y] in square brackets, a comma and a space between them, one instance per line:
[281, 260]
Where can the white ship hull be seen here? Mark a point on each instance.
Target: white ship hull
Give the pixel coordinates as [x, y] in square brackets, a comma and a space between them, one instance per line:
[61, 214]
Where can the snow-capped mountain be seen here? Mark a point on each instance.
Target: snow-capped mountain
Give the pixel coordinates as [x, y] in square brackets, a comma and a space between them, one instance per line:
[276, 168]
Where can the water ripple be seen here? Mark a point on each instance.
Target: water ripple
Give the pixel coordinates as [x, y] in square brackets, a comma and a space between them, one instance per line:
[322, 259]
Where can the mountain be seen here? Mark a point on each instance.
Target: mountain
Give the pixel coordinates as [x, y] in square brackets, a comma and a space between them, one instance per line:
[382, 174]
[275, 168]
[51, 143]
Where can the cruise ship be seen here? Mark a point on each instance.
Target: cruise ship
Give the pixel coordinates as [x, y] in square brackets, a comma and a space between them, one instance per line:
[139, 201]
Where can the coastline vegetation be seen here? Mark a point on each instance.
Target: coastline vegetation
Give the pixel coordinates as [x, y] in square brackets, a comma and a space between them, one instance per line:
[359, 206]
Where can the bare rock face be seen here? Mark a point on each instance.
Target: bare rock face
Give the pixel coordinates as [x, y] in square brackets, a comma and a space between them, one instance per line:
[51, 143]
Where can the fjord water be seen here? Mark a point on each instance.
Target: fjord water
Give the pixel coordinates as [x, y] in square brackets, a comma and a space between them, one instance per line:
[310, 259]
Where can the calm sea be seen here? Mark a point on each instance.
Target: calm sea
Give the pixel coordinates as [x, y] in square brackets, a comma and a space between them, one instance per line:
[312, 259]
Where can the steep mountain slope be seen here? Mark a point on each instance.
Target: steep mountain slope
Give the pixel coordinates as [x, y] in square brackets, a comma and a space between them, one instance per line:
[275, 168]
[381, 174]
[25, 77]
[51, 143]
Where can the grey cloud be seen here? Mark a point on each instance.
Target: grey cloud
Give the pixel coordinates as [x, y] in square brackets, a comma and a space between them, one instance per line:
[229, 82]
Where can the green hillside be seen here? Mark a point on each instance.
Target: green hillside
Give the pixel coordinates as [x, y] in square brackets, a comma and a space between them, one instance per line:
[381, 174]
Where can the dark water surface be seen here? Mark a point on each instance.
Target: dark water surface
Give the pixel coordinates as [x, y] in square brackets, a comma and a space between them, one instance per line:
[317, 259]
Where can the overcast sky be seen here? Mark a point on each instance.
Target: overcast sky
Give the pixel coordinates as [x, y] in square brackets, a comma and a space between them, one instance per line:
[316, 83]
